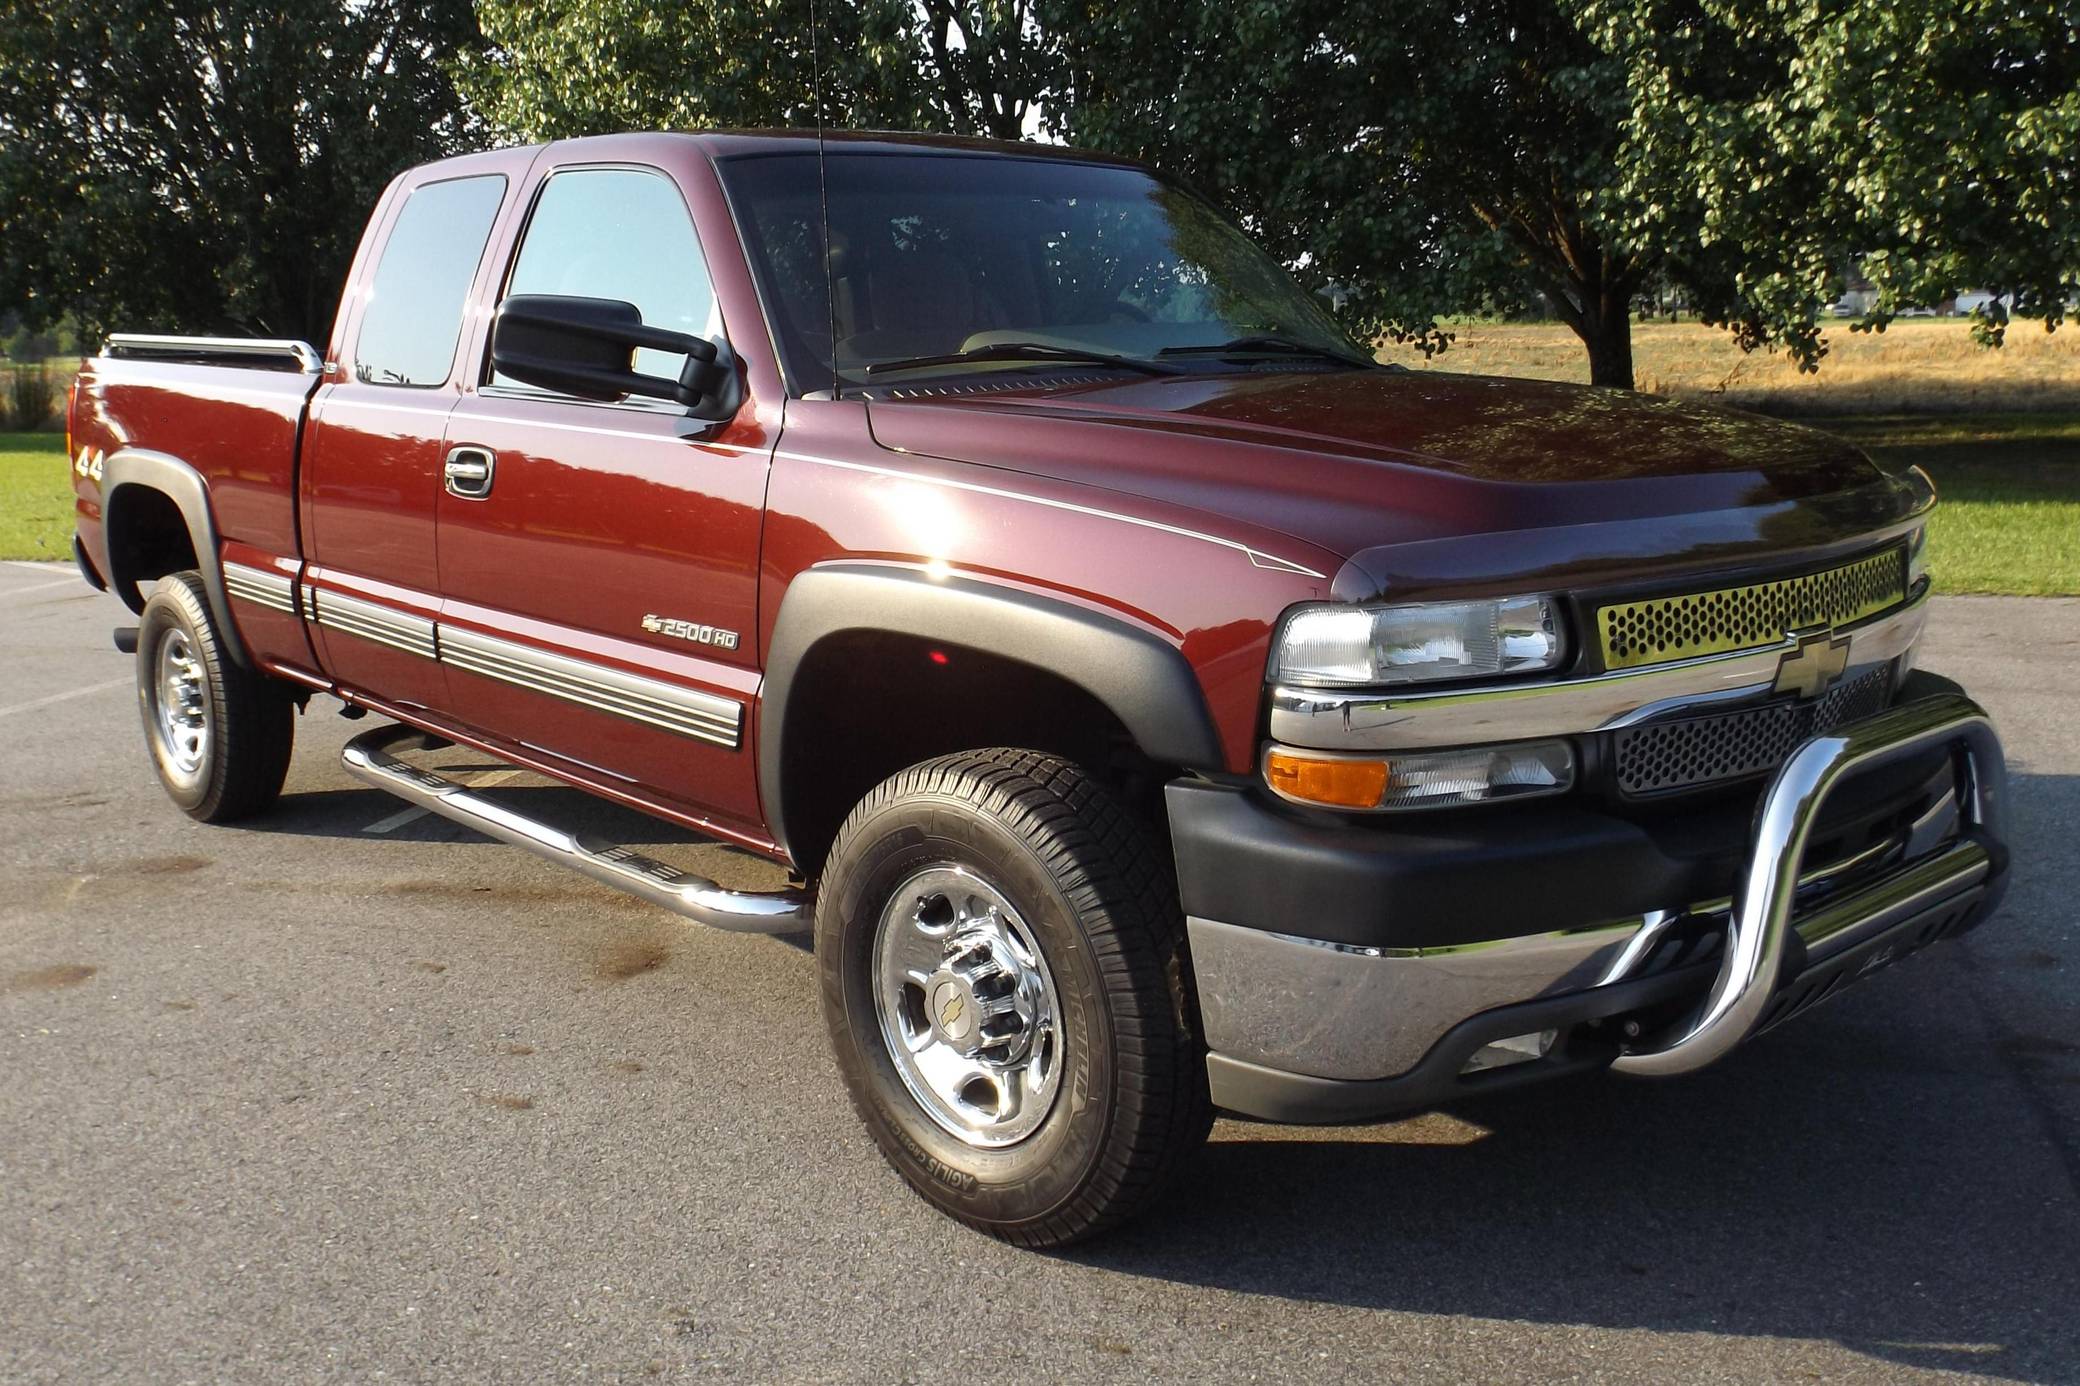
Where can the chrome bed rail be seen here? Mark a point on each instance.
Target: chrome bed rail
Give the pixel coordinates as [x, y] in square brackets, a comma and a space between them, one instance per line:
[236, 351]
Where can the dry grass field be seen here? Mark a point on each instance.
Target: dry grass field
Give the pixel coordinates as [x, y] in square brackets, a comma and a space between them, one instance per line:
[1917, 365]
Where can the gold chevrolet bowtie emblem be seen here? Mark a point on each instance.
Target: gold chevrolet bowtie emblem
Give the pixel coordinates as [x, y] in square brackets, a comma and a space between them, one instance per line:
[951, 1015]
[1817, 662]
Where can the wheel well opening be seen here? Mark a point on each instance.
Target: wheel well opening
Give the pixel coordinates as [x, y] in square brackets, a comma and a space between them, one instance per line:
[866, 704]
[147, 538]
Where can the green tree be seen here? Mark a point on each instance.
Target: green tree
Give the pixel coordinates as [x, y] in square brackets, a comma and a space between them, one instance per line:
[1487, 155]
[594, 66]
[182, 166]
[1934, 143]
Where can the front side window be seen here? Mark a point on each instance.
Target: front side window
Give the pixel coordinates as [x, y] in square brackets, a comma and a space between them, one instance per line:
[935, 254]
[414, 313]
[624, 234]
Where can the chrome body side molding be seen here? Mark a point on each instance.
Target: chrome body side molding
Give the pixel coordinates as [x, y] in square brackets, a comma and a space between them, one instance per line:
[261, 587]
[1375, 719]
[667, 706]
[371, 621]
[369, 758]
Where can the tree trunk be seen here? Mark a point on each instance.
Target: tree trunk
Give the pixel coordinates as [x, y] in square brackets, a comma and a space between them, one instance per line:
[1608, 336]
[1589, 287]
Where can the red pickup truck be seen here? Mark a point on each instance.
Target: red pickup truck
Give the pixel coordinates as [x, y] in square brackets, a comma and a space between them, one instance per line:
[1162, 706]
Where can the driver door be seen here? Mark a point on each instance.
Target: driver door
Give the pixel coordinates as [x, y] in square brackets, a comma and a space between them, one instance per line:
[599, 561]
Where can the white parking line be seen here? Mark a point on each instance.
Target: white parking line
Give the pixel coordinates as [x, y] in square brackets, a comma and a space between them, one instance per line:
[36, 703]
[55, 565]
[412, 815]
[40, 587]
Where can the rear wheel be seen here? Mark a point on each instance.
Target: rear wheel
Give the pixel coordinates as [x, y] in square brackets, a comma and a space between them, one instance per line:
[219, 735]
[1003, 980]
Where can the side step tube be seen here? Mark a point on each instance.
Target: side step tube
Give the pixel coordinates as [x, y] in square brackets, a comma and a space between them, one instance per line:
[368, 757]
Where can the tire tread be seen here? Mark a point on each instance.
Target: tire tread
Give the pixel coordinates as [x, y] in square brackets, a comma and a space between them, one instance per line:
[255, 729]
[1122, 891]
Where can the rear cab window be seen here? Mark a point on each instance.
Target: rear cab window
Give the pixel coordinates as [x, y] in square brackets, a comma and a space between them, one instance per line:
[413, 317]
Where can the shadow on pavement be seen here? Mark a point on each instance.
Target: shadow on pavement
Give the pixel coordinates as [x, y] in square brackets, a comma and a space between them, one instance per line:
[1897, 1172]
[1788, 1195]
[1891, 1173]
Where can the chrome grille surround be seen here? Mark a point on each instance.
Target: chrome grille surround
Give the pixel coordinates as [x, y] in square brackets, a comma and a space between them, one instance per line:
[1657, 630]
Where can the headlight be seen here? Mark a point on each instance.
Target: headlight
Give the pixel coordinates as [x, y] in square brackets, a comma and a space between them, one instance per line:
[1420, 642]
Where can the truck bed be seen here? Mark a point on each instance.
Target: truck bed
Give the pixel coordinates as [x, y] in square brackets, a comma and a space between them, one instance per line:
[231, 409]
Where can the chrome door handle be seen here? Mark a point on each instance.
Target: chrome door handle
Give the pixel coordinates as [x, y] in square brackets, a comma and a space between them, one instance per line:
[467, 472]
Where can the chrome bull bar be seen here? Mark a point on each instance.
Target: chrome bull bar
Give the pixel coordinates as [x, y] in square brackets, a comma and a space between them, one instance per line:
[1761, 924]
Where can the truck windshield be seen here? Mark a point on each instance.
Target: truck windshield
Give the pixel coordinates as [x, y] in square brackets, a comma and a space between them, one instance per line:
[946, 263]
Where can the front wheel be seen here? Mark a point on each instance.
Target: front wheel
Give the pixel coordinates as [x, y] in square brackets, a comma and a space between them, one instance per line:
[219, 735]
[1003, 980]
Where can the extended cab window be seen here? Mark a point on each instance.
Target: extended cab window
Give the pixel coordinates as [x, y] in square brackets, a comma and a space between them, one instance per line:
[415, 302]
[624, 234]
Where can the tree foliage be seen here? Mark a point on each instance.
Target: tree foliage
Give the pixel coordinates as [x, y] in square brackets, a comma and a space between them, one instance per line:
[192, 165]
[1933, 143]
[183, 166]
[1424, 158]
[1433, 158]
[593, 66]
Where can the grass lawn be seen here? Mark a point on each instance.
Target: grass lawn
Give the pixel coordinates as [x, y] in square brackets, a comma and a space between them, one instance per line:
[2009, 484]
[35, 496]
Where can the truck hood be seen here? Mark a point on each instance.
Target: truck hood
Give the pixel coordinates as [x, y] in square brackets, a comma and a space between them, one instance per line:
[1399, 473]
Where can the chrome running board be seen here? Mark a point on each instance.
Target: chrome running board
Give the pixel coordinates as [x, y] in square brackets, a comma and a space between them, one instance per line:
[368, 757]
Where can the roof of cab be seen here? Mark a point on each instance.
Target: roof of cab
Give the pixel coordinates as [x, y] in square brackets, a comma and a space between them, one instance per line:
[722, 144]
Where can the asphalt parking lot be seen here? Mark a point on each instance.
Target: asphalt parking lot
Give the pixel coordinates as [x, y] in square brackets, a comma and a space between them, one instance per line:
[351, 1094]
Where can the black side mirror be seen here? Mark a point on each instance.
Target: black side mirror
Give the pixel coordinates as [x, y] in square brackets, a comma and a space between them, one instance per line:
[586, 346]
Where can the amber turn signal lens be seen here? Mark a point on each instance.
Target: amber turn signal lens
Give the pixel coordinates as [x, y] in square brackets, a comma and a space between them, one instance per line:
[1336, 783]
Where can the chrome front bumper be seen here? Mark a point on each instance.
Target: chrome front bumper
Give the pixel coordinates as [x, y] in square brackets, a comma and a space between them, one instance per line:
[1793, 933]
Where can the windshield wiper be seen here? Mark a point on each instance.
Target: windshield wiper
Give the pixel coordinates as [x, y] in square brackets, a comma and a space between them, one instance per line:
[1269, 344]
[1022, 351]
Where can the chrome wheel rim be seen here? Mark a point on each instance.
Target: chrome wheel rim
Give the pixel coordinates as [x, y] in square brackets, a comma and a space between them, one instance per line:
[180, 703]
[967, 1007]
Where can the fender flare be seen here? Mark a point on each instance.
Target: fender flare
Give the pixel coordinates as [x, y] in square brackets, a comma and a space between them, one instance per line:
[184, 486]
[1141, 679]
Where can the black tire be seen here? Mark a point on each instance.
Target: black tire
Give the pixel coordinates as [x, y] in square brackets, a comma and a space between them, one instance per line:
[1087, 885]
[248, 720]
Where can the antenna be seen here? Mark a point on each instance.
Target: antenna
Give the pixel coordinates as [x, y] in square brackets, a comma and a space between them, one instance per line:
[823, 193]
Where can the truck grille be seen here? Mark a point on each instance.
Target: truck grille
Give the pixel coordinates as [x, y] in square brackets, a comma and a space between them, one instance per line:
[1741, 618]
[1698, 751]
